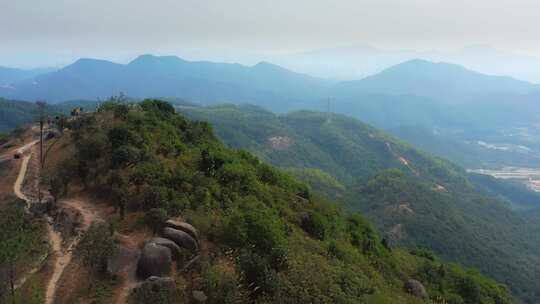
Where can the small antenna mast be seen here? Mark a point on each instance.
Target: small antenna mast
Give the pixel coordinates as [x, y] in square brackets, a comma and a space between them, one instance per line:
[328, 100]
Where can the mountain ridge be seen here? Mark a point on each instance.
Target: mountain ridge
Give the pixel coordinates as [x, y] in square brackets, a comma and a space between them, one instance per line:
[414, 198]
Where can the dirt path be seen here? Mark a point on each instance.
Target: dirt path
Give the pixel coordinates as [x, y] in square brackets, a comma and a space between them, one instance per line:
[18, 192]
[129, 274]
[20, 178]
[22, 172]
[64, 255]
[129, 284]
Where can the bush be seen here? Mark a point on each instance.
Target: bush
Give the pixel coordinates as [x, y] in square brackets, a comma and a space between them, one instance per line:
[155, 197]
[316, 225]
[120, 136]
[256, 228]
[220, 285]
[125, 156]
[258, 274]
[158, 107]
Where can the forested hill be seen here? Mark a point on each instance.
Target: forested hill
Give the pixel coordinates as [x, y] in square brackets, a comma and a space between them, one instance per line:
[414, 198]
[264, 236]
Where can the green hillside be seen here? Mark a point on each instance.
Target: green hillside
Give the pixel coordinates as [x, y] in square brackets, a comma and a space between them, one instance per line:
[15, 113]
[414, 199]
[267, 238]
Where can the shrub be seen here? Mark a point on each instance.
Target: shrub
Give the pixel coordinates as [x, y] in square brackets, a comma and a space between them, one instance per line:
[261, 278]
[220, 285]
[316, 225]
[125, 156]
[120, 136]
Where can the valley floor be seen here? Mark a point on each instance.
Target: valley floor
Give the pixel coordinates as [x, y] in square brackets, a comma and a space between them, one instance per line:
[528, 176]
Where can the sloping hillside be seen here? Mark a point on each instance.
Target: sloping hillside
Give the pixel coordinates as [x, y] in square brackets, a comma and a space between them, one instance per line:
[262, 236]
[416, 199]
[15, 113]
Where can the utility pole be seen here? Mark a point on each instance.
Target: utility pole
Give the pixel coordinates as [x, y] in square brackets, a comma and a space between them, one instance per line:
[41, 106]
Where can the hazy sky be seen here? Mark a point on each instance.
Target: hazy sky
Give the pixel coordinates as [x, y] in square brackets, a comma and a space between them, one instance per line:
[34, 32]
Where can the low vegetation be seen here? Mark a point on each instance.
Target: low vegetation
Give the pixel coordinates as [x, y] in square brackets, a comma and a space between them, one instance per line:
[21, 245]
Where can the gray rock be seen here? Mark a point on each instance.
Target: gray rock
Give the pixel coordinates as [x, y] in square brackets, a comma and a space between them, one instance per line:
[155, 260]
[416, 289]
[181, 238]
[183, 226]
[155, 290]
[68, 221]
[199, 296]
[175, 249]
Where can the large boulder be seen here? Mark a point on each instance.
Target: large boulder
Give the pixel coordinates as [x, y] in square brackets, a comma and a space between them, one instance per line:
[183, 226]
[156, 260]
[155, 290]
[416, 289]
[175, 249]
[181, 238]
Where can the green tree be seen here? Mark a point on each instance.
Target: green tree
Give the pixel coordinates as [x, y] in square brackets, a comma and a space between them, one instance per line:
[95, 247]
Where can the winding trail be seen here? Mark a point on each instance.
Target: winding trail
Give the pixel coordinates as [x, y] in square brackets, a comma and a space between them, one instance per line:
[17, 189]
[20, 179]
[22, 171]
[65, 255]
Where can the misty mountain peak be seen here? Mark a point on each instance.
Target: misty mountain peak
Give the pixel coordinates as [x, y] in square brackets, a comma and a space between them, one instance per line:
[89, 64]
[149, 59]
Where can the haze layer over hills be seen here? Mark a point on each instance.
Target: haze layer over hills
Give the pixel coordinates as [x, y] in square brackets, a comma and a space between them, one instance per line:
[437, 106]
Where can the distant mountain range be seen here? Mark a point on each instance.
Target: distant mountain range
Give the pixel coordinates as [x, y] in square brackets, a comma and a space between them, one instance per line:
[443, 102]
[150, 76]
[263, 83]
[359, 61]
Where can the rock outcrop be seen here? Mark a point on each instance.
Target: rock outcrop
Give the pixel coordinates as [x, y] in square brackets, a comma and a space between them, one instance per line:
[176, 251]
[416, 289]
[181, 238]
[183, 226]
[156, 260]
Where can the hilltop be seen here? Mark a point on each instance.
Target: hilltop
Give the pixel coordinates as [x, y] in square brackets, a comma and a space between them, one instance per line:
[260, 235]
